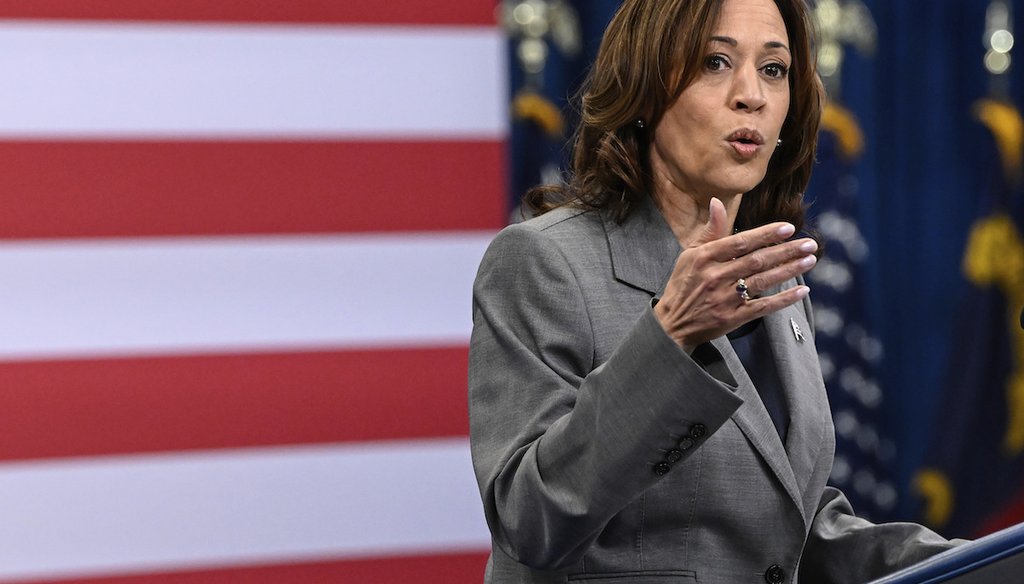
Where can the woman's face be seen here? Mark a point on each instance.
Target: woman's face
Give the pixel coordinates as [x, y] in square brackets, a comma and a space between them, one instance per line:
[717, 138]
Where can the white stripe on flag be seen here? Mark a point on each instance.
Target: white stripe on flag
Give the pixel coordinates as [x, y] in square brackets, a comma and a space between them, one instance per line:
[185, 295]
[180, 511]
[138, 80]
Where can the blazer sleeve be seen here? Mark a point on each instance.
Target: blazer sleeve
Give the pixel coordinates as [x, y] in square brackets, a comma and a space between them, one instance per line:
[845, 549]
[560, 443]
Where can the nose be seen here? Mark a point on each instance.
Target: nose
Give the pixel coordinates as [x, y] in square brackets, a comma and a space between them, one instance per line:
[747, 93]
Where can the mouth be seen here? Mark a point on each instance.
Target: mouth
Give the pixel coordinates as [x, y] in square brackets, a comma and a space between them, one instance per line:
[746, 136]
[746, 142]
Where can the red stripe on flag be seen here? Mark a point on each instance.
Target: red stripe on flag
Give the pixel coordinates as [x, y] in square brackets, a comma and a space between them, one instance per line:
[141, 188]
[459, 12]
[116, 406]
[466, 568]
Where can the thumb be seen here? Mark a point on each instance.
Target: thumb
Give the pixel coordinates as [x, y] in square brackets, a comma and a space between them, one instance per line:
[716, 227]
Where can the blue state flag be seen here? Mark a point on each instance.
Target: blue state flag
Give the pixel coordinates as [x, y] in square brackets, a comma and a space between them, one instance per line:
[972, 482]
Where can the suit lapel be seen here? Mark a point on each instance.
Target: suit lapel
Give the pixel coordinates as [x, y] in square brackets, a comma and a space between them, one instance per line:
[800, 375]
[753, 419]
[643, 248]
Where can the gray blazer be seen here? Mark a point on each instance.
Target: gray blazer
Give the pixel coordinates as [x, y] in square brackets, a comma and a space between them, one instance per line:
[606, 454]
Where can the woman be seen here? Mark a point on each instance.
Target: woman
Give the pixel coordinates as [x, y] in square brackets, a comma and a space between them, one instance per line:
[645, 399]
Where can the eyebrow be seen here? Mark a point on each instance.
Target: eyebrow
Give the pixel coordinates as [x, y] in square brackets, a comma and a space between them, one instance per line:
[733, 43]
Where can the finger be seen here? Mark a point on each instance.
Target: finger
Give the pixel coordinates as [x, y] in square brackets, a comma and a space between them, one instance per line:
[780, 274]
[745, 242]
[768, 304]
[716, 227]
[769, 258]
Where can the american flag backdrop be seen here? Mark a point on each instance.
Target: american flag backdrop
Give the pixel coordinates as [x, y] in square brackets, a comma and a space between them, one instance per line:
[238, 239]
[849, 352]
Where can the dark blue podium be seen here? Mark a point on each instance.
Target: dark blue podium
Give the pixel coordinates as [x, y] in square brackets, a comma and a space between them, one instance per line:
[997, 558]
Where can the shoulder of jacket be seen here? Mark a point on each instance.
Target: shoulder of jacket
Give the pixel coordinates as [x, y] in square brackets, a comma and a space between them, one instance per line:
[570, 221]
[572, 234]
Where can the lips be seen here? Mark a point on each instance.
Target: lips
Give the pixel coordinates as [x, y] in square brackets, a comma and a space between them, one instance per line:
[747, 136]
[746, 142]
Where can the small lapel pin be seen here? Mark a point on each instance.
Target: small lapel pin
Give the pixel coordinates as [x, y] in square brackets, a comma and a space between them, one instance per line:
[799, 334]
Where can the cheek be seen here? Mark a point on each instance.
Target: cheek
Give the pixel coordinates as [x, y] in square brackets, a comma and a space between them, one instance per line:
[700, 117]
[676, 132]
[784, 109]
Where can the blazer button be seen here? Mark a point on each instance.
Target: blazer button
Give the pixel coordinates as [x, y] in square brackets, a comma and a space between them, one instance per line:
[673, 456]
[774, 574]
[686, 443]
[698, 431]
[662, 468]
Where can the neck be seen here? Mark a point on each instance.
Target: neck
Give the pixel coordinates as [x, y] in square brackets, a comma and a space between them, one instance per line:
[685, 205]
[687, 213]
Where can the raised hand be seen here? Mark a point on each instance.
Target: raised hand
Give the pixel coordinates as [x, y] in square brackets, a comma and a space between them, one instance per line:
[702, 300]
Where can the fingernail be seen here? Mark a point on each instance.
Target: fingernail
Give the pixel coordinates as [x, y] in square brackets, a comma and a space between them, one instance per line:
[809, 246]
[786, 230]
[802, 291]
[808, 261]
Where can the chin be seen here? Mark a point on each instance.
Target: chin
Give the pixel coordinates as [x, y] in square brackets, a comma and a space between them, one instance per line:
[732, 188]
[741, 182]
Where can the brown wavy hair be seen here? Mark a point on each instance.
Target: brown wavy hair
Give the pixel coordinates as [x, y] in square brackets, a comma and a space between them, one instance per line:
[643, 64]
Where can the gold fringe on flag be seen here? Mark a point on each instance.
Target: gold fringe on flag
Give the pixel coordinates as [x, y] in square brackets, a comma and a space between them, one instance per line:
[843, 124]
[995, 257]
[936, 490]
[532, 106]
[1006, 124]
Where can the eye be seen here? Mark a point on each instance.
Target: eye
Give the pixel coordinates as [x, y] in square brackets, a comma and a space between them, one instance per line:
[775, 70]
[716, 63]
